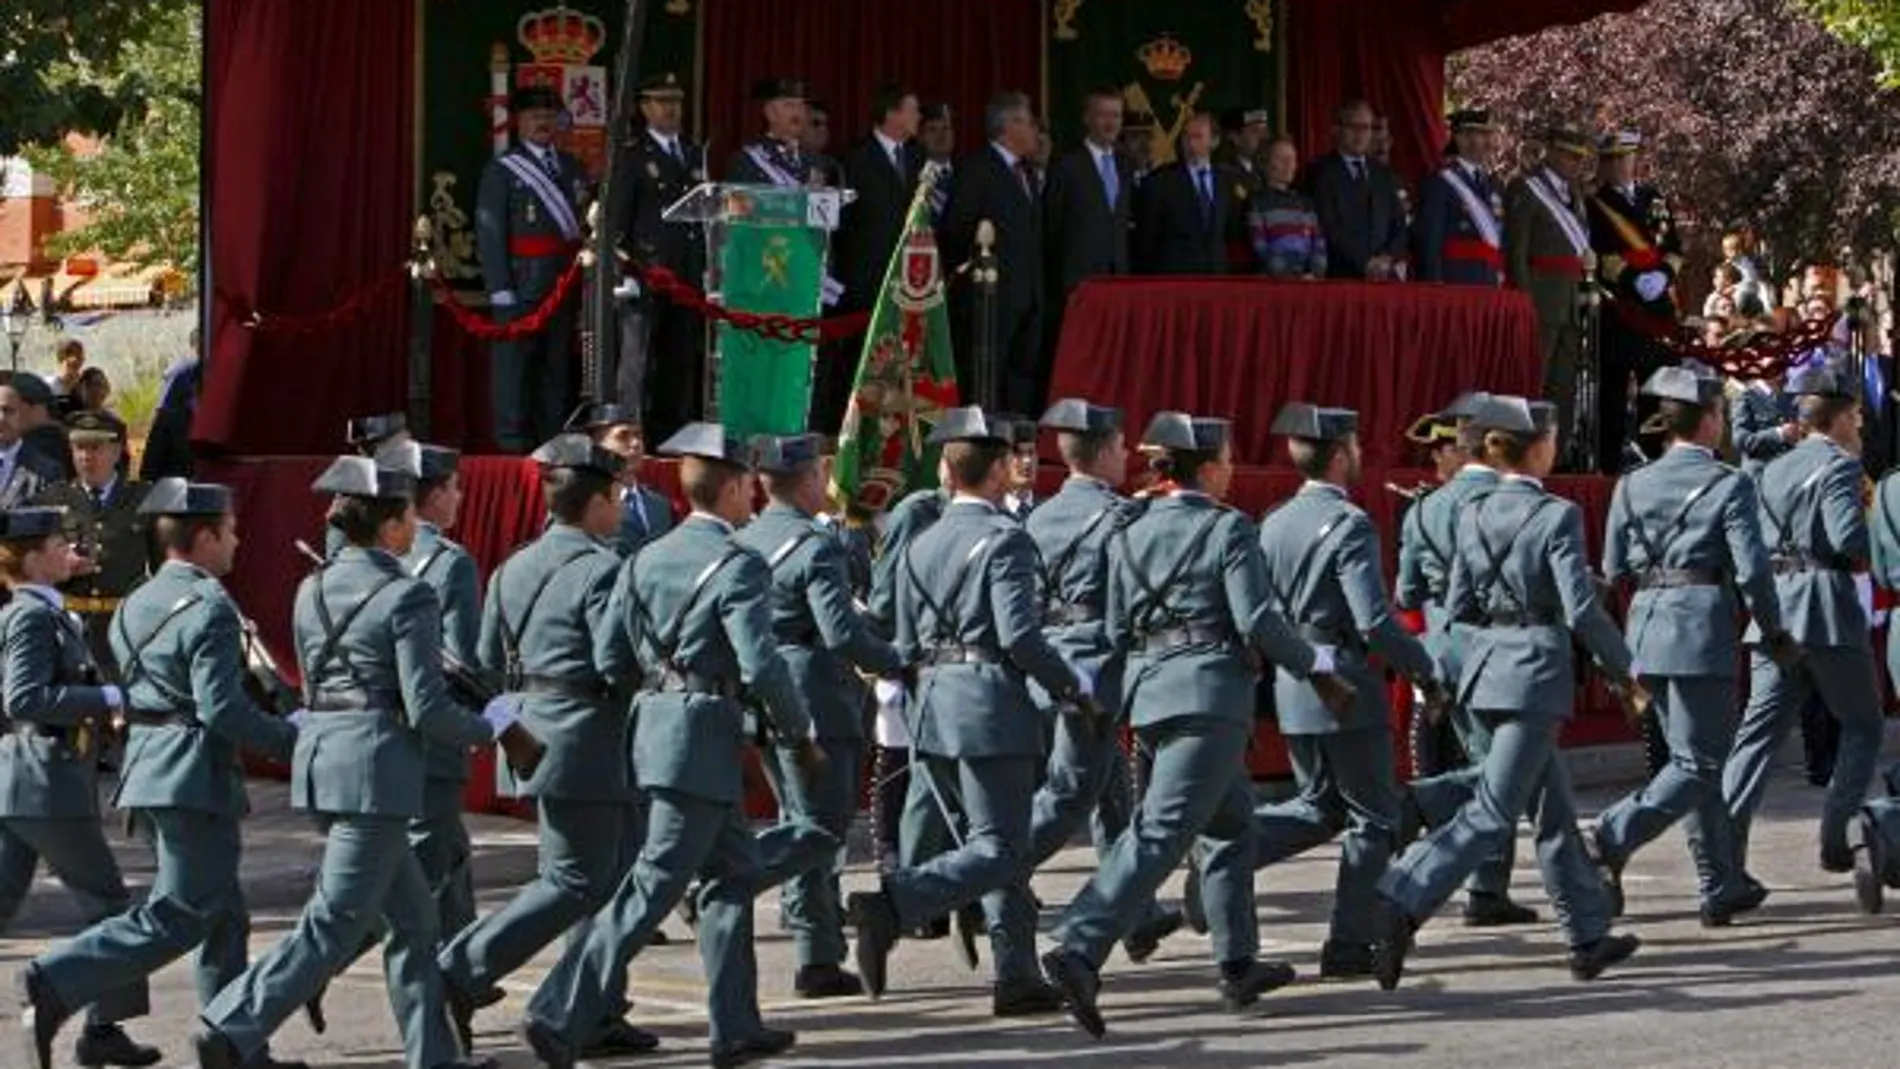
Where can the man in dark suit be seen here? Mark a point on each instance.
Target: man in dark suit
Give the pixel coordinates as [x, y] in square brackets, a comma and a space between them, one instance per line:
[662, 352]
[1181, 219]
[41, 431]
[882, 169]
[1358, 201]
[24, 471]
[938, 139]
[996, 184]
[1088, 202]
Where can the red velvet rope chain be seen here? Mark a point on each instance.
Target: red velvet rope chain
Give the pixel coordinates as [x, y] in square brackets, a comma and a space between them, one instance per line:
[771, 325]
[368, 299]
[1766, 358]
[482, 326]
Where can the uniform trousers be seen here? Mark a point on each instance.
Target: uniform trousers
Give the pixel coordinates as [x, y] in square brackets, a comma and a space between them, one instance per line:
[530, 377]
[1347, 784]
[368, 870]
[1199, 789]
[804, 852]
[76, 852]
[1522, 768]
[1440, 797]
[1087, 777]
[441, 843]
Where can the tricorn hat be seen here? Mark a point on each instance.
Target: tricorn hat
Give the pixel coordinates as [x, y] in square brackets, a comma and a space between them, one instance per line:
[1514, 415]
[173, 496]
[363, 477]
[1076, 416]
[579, 452]
[970, 424]
[707, 441]
[1178, 430]
[17, 525]
[1315, 424]
[785, 454]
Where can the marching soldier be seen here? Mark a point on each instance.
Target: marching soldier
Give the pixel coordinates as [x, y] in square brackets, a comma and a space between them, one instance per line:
[1763, 426]
[693, 613]
[1817, 537]
[1547, 255]
[528, 216]
[1188, 600]
[1088, 775]
[106, 527]
[180, 641]
[56, 714]
[1519, 582]
[1687, 530]
[542, 626]
[1322, 558]
[367, 436]
[1428, 543]
[1458, 236]
[645, 513]
[1638, 255]
[662, 346]
[967, 618]
[777, 159]
[369, 642]
[1019, 499]
[824, 643]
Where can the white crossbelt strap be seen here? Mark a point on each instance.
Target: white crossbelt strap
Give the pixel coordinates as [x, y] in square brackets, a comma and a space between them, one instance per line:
[544, 190]
[1477, 209]
[779, 175]
[1566, 218]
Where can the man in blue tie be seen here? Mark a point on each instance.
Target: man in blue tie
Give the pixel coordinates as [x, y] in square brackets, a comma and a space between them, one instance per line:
[645, 513]
[1089, 199]
[1181, 214]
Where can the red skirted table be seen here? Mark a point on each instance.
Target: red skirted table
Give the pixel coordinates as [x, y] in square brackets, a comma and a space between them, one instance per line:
[1241, 348]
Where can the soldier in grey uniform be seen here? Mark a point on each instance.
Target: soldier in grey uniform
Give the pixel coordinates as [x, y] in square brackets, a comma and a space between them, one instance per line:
[1188, 602]
[1686, 530]
[1762, 424]
[368, 435]
[1520, 583]
[645, 513]
[967, 618]
[1428, 542]
[824, 643]
[1322, 558]
[368, 637]
[1817, 537]
[692, 614]
[180, 643]
[541, 631]
[55, 713]
[1088, 775]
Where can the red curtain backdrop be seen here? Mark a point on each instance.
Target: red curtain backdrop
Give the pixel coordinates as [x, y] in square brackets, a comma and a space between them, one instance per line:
[1387, 52]
[956, 51]
[309, 144]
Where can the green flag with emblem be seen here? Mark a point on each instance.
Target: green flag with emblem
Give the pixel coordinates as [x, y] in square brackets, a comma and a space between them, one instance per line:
[906, 376]
[772, 262]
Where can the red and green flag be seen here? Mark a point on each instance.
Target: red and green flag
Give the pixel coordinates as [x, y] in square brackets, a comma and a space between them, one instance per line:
[906, 377]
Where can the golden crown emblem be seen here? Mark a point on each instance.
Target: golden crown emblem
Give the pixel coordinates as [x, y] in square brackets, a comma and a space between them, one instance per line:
[560, 35]
[1165, 58]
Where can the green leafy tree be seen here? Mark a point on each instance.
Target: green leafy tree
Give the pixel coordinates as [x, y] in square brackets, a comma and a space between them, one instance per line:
[139, 189]
[1871, 24]
[42, 41]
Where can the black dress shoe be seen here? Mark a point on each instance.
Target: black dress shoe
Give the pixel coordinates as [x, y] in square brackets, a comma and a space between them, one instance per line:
[461, 1006]
[1837, 859]
[107, 1044]
[688, 909]
[1588, 961]
[1721, 914]
[41, 1019]
[1610, 868]
[965, 924]
[1142, 943]
[621, 1039]
[1388, 957]
[826, 981]
[216, 1051]
[1497, 911]
[1242, 983]
[876, 921]
[1078, 985]
[768, 1042]
[263, 1060]
[1024, 998]
[1347, 961]
[1192, 909]
[549, 1048]
[313, 1011]
[471, 1063]
[1870, 866]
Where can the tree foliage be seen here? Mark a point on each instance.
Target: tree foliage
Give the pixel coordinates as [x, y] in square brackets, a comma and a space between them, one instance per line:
[140, 188]
[42, 40]
[1754, 114]
[1871, 24]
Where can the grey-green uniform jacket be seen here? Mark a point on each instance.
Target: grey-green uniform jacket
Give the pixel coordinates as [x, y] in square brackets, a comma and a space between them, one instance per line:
[1428, 539]
[1817, 535]
[49, 759]
[448, 569]
[695, 605]
[1072, 531]
[179, 642]
[908, 519]
[1686, 527]
[1322, 560]
[1189, 565]
[820, 634]
[383, 673]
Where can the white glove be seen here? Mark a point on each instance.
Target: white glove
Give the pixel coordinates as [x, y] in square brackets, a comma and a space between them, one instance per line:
[1651, 285]
[830, 291]
[629, 288]
[1325, 660]
[502, 713]
[1636, 668]
[298, 718]
[1864, 591]
[890, 694]
[502, 298]
[1084, 678]
[115, 698]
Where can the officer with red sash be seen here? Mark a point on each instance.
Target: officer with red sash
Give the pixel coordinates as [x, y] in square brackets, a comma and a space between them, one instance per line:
[1458, 236]
[1638, 256]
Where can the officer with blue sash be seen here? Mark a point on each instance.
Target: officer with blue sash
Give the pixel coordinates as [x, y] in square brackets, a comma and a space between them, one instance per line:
[1458, 235]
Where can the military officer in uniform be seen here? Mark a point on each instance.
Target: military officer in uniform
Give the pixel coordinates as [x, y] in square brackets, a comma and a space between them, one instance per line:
[645, 513]
[25, 468]
[1762, 424]
[42, 433]
[1322, 558]
[1638, 255]
[1520, 583]
[368, 638]
[528, 216]
[778, 158]
[1088, 777]
[1188, 602]
[825, 643]
[1458, 235]
[368, 435]
[56, 713]
[105, 526]
[1686, 530]
[1019, 498]
[180, 641]
[967, 617]
[661, 374]
[692, 613]
[1547, 255]
[1817, 537]
[541, 628]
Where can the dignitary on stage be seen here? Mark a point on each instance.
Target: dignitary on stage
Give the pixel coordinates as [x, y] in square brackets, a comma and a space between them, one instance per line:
[1458, 235]
[1358, 199]
[1547, 255]
[1088, 204]
[778, 158]
[882, 170]
[1182, 212]
[1639, 255]
[1287, 240]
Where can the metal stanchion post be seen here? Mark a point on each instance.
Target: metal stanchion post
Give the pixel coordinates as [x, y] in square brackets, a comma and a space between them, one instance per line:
[421, 326]
[984, 276]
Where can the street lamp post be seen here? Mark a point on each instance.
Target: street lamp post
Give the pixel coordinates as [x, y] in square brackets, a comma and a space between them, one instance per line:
[15, 319]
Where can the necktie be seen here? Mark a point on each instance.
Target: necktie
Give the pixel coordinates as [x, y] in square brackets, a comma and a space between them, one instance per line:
[1357, 168]
[1022, 175]
[897, 159]
[1207, 192]
[98, 499]
[673, 150]
[550, 163]
[638, 515]
[1111, 182]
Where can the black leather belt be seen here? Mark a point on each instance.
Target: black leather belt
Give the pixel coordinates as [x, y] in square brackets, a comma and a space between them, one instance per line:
[677, 682]
[159, 718]
[1794, 564]
[1674, 578]
[953, 654]
[580, 690]
[1068, 613]
[355, 702]
[1175, 638]
[1513, 618]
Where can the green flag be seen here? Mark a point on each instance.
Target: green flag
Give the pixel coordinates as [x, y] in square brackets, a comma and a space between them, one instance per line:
[772, 261]
[906, 377]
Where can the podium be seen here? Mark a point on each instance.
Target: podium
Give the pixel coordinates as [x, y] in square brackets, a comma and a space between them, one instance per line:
[767, 249]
